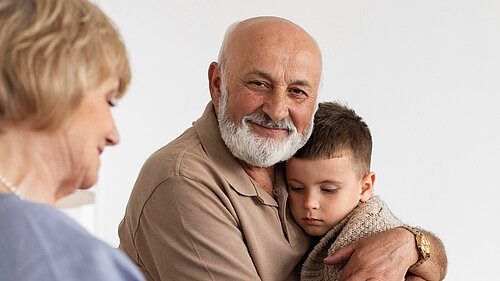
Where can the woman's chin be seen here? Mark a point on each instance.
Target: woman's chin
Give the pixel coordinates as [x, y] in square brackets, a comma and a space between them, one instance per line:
[89, 179]
[85, 187]
[88, 183]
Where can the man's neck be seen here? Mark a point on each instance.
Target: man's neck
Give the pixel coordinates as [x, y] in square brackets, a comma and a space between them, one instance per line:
[264, 177]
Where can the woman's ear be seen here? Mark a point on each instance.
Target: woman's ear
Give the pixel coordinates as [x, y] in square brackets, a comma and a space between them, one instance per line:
[367, 183]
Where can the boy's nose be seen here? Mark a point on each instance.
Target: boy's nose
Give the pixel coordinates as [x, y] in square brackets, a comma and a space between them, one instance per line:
[311, 203]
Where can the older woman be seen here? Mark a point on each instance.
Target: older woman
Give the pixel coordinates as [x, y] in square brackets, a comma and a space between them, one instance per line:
[62, 65]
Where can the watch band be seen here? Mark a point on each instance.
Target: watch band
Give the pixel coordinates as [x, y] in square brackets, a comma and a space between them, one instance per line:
[423, 244]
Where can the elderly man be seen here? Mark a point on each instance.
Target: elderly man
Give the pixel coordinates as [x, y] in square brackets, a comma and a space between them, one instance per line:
[211, 205]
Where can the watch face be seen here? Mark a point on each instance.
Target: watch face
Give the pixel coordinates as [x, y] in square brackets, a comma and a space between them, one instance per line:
[424, 245]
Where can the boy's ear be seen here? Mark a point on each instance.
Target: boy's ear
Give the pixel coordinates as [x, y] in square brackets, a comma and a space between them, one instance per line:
[367, 183]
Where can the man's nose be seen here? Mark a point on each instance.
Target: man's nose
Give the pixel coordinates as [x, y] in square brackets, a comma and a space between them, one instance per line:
[276, 106]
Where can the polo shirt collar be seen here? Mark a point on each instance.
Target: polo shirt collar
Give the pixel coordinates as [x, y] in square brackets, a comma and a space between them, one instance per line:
[207, 129]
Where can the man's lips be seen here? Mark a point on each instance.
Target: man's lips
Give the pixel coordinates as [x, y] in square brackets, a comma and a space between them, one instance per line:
[270, 130]
[312, 221]
[99, 150]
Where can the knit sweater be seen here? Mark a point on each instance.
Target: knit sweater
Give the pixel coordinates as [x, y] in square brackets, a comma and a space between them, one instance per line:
[370, 217]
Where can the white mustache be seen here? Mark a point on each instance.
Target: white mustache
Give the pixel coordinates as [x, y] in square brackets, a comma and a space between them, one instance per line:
[264, 120]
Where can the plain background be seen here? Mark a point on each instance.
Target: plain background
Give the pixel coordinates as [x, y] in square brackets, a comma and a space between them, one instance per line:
[423, 74]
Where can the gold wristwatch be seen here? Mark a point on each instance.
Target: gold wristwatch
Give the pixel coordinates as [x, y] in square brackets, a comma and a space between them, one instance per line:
[423, 244]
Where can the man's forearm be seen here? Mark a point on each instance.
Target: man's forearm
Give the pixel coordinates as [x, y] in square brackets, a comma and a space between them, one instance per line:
[436, 266]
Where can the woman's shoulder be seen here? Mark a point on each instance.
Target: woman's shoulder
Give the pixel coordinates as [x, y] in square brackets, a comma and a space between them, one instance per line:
[64, 250]
[41, 219]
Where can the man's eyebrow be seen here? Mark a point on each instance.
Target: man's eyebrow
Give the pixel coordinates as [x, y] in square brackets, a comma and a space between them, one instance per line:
[267, 76]
[301, 83]
[261, 73]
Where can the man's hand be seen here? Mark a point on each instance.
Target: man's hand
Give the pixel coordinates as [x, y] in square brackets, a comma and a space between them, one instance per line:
[384, 256]
[414, 278]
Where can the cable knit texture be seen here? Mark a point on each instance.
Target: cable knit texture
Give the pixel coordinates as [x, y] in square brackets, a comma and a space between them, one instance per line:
[370, 217]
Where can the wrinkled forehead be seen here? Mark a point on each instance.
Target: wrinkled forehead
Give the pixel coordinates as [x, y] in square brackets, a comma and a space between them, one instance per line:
[278, 61]
[279, 65]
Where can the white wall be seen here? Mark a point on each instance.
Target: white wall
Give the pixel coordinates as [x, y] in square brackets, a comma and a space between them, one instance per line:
[424, 74]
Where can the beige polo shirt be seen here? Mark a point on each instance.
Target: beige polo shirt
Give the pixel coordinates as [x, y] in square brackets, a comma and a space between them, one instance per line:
[194, 214]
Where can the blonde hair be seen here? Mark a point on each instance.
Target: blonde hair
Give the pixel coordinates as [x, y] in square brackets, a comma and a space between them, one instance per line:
[51, 53]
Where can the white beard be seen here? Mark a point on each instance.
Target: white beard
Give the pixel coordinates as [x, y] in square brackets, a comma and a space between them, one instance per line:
[256, 150]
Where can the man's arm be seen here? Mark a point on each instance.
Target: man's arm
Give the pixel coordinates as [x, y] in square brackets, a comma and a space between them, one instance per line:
[388, 255]
[436, 266]
[187, 232]
[414, 278]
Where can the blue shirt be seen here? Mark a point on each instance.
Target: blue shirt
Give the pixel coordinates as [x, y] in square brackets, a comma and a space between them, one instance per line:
[38, 242]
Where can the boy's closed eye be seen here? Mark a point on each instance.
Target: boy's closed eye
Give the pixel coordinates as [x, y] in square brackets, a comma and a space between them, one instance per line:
[296, 188]
[329, 189]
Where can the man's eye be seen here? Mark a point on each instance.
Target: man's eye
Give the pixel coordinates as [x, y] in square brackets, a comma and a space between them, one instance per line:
[329, 190]
[299, 93]
[258, 83]
[296, 189]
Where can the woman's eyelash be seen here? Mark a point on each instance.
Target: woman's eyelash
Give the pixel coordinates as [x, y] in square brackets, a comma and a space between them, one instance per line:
[112, 102]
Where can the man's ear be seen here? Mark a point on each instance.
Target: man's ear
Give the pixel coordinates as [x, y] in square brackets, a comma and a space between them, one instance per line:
[214, 84]
[367, 183]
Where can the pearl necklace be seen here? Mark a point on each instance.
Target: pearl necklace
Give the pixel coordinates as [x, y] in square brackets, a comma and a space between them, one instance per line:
[11, 188]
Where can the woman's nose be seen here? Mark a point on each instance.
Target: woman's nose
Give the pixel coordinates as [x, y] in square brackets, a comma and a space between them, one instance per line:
[113, 137]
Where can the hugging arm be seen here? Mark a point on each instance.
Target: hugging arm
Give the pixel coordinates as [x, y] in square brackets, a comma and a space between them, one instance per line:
[436, 266]
[388, 256]
[414, 278]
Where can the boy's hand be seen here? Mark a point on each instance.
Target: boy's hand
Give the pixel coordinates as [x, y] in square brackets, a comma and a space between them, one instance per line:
[384, 256]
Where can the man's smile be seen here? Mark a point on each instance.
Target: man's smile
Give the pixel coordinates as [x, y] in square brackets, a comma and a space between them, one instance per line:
[268, 131]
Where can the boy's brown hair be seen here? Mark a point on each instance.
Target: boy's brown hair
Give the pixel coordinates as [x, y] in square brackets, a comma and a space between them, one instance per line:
[339, 131]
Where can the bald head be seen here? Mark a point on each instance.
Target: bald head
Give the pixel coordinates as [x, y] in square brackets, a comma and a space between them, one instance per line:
[264, 33]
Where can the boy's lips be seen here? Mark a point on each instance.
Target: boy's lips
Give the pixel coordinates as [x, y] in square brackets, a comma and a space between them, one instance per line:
[312, 221]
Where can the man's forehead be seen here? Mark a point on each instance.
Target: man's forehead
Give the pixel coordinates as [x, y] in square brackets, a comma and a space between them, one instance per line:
[302, 68]
[266, 33]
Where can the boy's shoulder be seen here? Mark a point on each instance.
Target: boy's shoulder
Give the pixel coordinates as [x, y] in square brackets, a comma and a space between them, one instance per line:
[368, 218]
[371, 217]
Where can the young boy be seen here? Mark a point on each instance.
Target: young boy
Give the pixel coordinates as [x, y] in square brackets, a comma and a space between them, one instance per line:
[330, 187]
